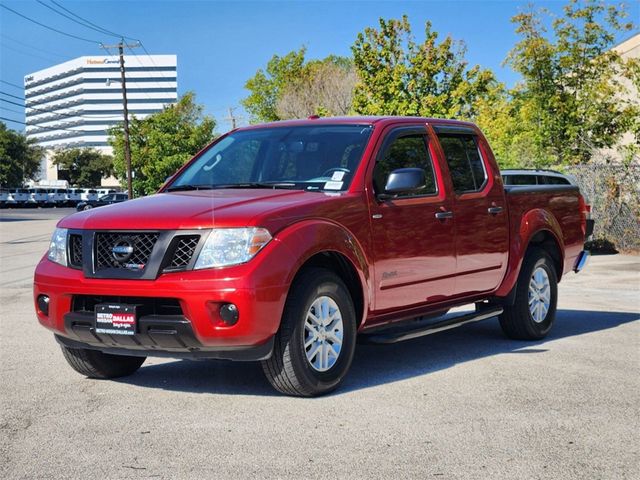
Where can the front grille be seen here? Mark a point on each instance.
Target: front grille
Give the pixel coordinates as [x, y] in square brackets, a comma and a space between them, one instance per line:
[185, 247]
[146, 305]
[141, 242]
[75, 250]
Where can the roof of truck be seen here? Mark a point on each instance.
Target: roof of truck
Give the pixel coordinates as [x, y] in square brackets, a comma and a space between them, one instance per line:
[358, 120]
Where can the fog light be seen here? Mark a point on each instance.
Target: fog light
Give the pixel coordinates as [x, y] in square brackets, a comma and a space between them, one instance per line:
[229, 313]
[43, 304]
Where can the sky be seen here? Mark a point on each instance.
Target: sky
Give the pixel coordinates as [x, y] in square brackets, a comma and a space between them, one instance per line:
[221, 44]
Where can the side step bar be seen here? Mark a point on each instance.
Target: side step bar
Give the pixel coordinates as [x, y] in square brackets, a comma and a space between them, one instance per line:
[399, 334]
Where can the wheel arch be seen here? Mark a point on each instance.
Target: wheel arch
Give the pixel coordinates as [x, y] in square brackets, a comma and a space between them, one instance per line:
[538, 228]
[327, 245]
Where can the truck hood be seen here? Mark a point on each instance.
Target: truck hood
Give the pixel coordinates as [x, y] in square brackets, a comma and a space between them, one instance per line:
[204, 209]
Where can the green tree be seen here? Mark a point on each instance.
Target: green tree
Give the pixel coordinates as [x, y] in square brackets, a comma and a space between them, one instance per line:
[266, 85]
[161, 143]
[19, 158]
[325, 87]
[85, 167]
[292, 87]
[574, 99]
[399, 76]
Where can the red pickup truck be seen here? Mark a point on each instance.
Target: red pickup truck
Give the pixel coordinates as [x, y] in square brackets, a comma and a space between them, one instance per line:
[286, 242]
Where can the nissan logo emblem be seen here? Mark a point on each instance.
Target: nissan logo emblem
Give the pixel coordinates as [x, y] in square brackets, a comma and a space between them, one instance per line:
[122, 250]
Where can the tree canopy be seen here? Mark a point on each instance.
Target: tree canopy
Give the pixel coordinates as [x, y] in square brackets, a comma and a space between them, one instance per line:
[19, 158]
[292, 87]
[84, 167]
[161, 143]
[399, 76]
[572, 98]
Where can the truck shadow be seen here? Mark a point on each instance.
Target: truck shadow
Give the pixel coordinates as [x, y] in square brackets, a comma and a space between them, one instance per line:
[375, 365]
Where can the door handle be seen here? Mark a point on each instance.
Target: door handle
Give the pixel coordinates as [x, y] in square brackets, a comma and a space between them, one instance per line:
[444, 215]
[494, 210]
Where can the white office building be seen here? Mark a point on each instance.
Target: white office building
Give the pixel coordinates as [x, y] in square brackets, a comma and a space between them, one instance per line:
[73, 104]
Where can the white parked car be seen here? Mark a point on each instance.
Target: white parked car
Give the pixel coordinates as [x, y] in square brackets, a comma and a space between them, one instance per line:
[19, 197]
[74, 196]
[90, 194]
[4, 197]
[59, 196]
[39, 197]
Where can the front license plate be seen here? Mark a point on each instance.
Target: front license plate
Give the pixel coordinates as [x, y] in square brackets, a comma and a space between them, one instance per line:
[116, 319]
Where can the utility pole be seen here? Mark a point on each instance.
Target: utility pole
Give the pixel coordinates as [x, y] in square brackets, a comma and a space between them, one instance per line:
[232, 118]
[123, 82]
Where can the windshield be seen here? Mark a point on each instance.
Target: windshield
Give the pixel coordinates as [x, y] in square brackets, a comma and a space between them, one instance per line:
[321, 158]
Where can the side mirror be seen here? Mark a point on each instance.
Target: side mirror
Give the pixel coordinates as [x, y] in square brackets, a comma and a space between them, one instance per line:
[404, 180]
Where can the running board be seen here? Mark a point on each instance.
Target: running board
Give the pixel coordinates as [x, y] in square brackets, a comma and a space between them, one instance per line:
[400, 334]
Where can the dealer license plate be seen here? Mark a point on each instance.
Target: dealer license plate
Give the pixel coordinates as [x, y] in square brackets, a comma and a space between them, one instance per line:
[116, 319]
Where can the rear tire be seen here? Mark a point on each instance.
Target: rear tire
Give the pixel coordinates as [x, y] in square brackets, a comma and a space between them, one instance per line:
[533, 313]
[314, 347]
[96, 364]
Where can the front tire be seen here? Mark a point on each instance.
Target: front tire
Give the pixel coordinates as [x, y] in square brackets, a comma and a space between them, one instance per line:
[96, 364]
[314, 347]
[534, 311]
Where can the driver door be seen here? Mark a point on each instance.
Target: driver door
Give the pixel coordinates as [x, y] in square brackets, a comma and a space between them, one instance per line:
[414, 251]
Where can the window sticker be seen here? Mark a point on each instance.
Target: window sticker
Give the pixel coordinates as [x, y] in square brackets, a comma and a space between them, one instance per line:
[337, 176]
[333, 185]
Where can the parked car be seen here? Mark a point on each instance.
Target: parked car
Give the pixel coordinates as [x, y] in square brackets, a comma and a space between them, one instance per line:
[107, 199]
[39, 197]
[74, 196]
[90, 194]
[4, 197]
[536, 177]
[18, 197]
[283, 242]
[58, 197]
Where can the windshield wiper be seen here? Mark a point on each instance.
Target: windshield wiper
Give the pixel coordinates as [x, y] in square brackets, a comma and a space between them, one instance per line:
[285, 185]
[178, 188]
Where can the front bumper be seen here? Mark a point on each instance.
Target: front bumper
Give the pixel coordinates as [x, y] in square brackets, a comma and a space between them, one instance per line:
[195, 330]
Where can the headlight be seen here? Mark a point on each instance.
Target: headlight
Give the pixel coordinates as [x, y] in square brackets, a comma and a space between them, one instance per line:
[58, 246]
[231, 246]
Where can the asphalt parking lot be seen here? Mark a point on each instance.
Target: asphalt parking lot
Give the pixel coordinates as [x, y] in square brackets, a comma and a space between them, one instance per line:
[466, 403]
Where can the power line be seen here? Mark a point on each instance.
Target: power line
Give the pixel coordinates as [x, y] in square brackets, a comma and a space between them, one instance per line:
[154, 64]
[22, 52]
[11, 110]
[60, 114]
[48, 27]
[104, 30]
[99, 30]
[32, 47]
[13, 96]
[11, 120]
[12, 84]
[49, 128]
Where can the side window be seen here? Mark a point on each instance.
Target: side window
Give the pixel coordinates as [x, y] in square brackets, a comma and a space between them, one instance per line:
[465, 164]
[409, 151]
[556, 181]
[523, 180]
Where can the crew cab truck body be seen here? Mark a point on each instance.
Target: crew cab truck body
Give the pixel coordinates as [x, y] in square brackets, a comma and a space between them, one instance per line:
[284, 242]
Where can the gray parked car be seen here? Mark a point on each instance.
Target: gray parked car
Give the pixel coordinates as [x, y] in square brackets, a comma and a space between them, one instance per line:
[536, 177]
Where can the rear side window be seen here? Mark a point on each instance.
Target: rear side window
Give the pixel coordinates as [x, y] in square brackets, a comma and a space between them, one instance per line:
[409, 151]
[465, 163]
[520, 180]
[549, 180]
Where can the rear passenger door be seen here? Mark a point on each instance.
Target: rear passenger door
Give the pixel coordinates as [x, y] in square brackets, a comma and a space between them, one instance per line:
[414, 250]
[481, 220]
